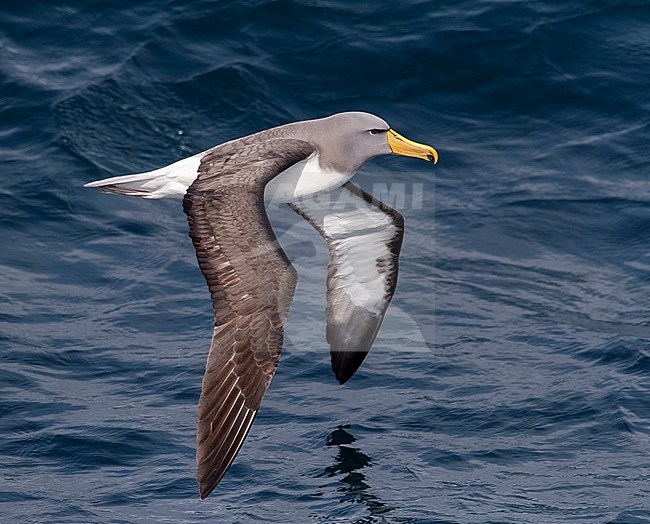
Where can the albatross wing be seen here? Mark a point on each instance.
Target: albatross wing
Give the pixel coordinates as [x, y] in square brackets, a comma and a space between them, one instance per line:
[252, 284]
[364, 238]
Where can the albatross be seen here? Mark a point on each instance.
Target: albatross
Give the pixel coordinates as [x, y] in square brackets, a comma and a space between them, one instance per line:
[251, 280]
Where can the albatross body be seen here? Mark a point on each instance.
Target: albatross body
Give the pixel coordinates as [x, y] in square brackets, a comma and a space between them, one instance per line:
[224, 190]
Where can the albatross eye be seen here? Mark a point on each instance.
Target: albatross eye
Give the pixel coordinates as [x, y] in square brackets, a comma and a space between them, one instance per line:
[377, 131]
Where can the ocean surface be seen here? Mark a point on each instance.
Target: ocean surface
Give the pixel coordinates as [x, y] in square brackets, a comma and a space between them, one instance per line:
[510, 382]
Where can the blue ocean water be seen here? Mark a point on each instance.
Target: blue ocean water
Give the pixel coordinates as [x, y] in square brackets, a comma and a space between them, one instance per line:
[511, 380]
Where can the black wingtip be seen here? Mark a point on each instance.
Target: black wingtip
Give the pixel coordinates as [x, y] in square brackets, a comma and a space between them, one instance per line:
[346, 363]
[203, 493]
[206, 489]
[342, 380]
[208, 484]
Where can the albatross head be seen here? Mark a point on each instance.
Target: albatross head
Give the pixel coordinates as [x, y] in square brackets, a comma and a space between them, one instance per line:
[347, 140]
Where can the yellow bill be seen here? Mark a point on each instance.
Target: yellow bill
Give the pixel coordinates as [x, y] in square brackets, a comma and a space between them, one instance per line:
[403, 146]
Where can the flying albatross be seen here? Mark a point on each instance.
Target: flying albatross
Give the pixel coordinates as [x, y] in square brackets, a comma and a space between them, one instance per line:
[250, 278]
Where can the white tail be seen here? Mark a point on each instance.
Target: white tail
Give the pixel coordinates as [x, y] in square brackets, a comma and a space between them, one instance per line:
[169, 181]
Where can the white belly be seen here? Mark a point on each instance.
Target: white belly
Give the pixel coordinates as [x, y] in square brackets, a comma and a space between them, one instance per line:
[303, 179]
[300, 180]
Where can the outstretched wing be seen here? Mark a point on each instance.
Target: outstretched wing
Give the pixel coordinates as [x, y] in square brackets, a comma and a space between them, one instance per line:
[252, 284]
[364, 237]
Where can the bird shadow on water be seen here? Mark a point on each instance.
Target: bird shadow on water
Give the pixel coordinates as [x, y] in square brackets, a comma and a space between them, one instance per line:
[351, 462]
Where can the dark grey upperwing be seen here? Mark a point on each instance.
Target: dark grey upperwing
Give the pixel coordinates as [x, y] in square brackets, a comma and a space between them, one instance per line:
[364, 237]
[252, 284]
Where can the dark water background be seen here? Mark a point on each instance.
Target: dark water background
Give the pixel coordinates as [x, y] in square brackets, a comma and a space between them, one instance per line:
[511, 380]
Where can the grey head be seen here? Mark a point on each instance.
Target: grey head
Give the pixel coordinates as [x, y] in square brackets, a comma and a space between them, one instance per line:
[345, 141]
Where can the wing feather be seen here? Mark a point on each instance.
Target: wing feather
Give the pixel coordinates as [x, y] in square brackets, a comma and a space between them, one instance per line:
[364, 237]
[251, 283]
